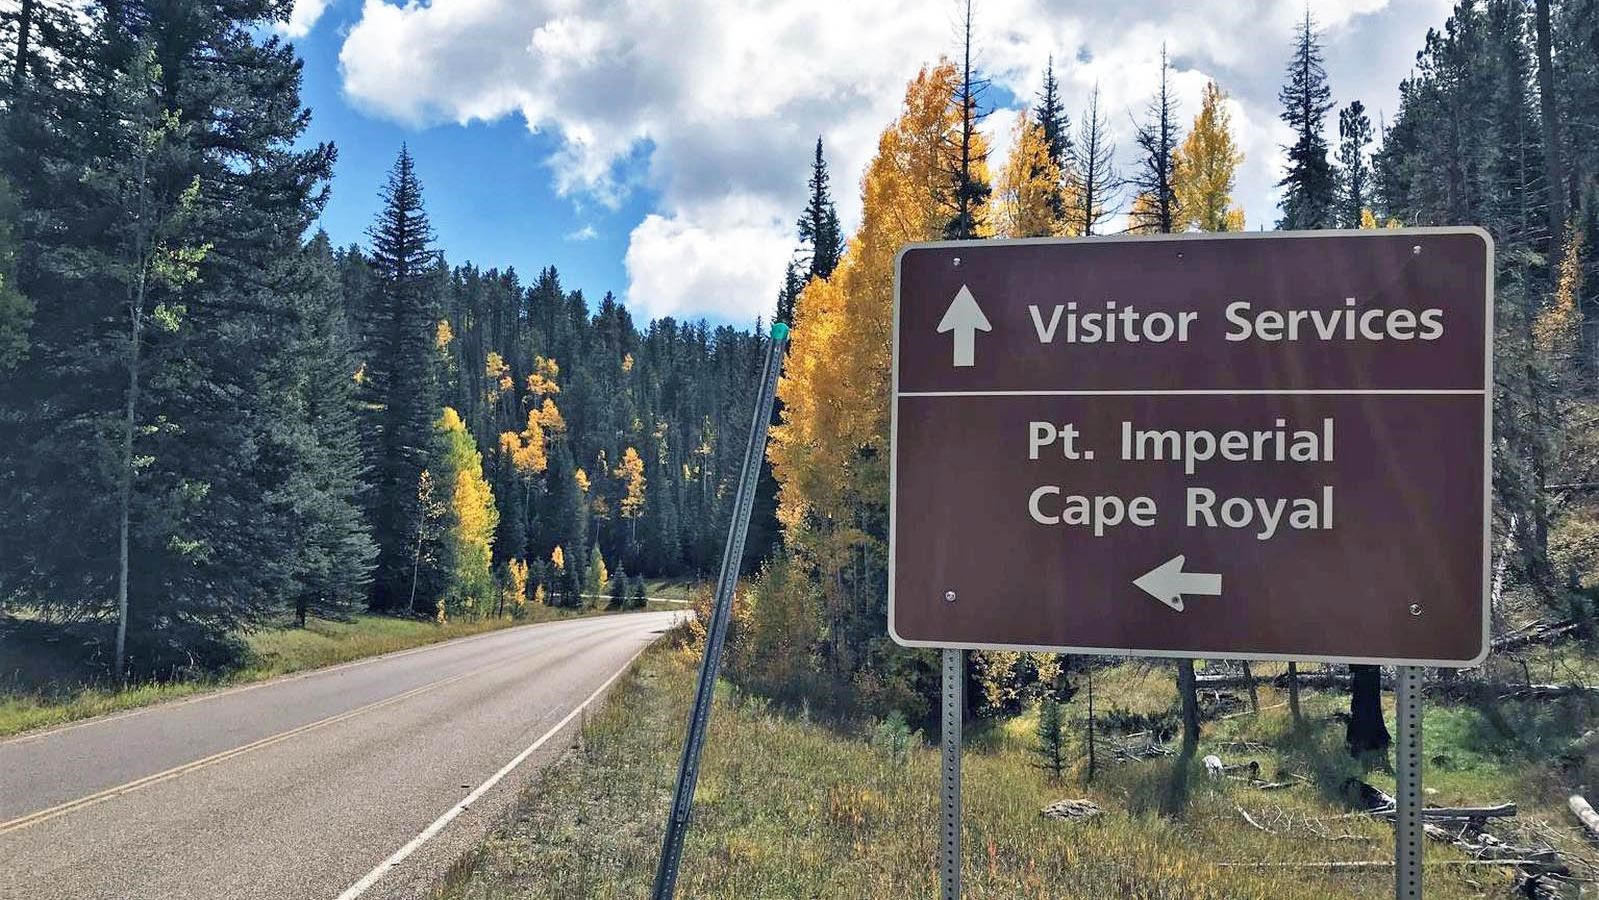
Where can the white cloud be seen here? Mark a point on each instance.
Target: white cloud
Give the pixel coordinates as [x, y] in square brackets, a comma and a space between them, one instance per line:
[715, 262]
[303, 18]
[713, 106]
[586, 233]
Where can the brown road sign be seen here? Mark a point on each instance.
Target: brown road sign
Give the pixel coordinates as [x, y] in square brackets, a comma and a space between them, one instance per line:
[1246, 445]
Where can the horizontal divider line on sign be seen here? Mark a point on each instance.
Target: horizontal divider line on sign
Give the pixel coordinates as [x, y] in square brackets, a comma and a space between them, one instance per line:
[1464, 392]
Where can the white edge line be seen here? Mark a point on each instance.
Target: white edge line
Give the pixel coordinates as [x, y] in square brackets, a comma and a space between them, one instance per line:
[1465, 392]
[428, 833]
[300, 675]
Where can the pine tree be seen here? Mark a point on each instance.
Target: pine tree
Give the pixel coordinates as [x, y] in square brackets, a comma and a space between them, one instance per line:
[637, 598]
[968, 166]
[152, 258]
[1207, 169]
[1051, 749]
[793, 283]
[16, 311]
[313, 456]
[401, 372]
[619, 586]
[1310, 185]
[1094, 184]
[1354, 169]
[1050, 115]
[1156, 209]
[818, 225]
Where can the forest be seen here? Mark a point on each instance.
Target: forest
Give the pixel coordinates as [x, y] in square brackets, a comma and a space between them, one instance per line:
[214, 420]
[1495, 128]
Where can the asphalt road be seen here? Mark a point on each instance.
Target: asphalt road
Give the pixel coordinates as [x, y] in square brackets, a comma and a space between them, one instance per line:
[303, 787]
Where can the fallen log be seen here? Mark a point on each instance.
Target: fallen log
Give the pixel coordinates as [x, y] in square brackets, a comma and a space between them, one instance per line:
[1547, 691]
[1461, 688]
[1536, 633]
[1499, 811]
[1585, 814]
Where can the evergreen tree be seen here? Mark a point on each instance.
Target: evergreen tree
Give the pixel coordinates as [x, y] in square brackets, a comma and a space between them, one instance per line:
[1050, 115]
[818, 225]
[312, 455]
[1354, 169]
[619, 585]
[968, 168]
[1310, 186]
[16, 312]
[1051, 749]
[1094, 184]
[1156, 209]
[637, 598]
[155, 263]
[401, 379]
[793, 283]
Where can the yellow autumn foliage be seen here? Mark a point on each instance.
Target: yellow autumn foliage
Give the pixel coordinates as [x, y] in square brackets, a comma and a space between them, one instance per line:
[1207, 169]
[1027, 183]
[471, 515]
[830, 450]
[542, 380]
[516, 583]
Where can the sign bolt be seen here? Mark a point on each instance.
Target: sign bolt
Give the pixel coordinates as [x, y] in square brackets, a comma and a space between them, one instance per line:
[949, 596]
[1415, 609]
[1415, 250]
[957, 262]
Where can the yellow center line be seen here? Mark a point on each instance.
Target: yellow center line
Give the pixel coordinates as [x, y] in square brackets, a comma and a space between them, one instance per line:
[110, 793]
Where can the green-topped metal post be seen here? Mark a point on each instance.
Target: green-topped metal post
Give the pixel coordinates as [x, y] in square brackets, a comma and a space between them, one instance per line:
[716, 630]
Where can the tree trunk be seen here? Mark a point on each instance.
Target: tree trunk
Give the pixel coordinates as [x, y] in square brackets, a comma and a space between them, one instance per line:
[24, 27]
[1176, 799]
[1554, 169]
[1091, 761]
[1188, 690]
[1254, 694]
[1366, 737]
[125, 488]
[1293, 693]
[300, 611]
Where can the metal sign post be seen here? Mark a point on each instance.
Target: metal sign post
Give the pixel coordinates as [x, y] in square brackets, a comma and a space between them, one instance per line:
[950, 787]
[688, 770]
[1407, 802]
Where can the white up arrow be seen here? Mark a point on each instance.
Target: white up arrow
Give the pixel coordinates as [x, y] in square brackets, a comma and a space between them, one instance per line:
[1168, 583]
[965, 318]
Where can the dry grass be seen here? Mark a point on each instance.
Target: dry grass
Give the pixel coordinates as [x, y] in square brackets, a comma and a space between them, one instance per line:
[790, 809]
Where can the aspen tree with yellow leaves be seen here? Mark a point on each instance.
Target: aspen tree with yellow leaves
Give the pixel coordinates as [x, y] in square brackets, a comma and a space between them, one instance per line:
[466, 579]
[1029, 186]
[830, 452]
[1207, 169]
[631, 472]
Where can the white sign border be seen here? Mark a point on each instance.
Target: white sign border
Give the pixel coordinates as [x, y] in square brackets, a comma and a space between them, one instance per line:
[1487, 446]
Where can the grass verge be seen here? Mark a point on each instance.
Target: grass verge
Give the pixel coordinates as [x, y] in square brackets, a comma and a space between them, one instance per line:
[273, 652]
[787, 808]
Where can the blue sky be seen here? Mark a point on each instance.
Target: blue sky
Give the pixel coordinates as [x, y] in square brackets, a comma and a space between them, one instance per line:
[659, 148]
[490, 196]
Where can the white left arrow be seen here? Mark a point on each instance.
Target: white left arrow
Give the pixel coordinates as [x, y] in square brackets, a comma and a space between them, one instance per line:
[965, 318]
[1168, 583]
